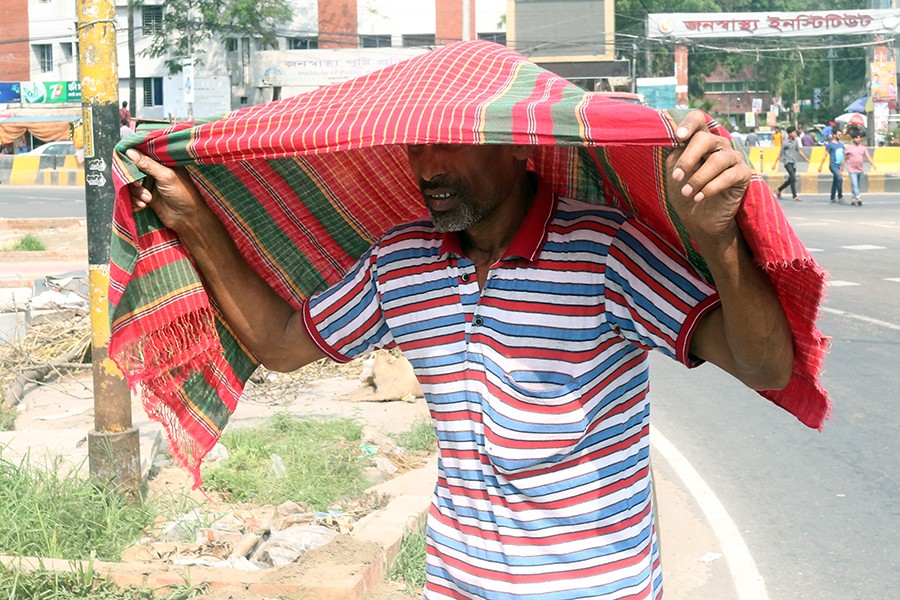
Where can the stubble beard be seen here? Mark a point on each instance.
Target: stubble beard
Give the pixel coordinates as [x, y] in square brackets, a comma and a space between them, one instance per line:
[459, 218]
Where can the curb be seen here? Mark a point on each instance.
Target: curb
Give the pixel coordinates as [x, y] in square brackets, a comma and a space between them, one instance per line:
[412, 496]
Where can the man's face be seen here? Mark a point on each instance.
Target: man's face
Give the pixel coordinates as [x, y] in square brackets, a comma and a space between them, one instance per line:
[463, 185]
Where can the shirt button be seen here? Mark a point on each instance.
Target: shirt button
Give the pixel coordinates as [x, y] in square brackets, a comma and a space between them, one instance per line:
[465, 277]
[478, 321]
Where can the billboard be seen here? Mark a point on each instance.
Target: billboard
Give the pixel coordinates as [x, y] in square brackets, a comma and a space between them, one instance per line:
[659, 92]
[316, 68]
[50, 92]
[773, 24]
[884, 80]
[10, 91]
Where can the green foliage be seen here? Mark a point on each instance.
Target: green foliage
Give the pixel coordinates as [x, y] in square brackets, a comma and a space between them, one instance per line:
[418, 439]
[410, 564]
[188, 24]
[62, 516]
[28, 243]
[77, 584]
[321, 462]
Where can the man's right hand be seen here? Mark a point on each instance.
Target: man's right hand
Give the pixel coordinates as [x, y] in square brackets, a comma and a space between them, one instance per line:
[169, 192]
[264, 322]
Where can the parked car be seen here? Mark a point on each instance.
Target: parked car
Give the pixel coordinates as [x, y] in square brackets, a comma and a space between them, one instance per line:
[626, 96]
[764, 138]
[53, 149]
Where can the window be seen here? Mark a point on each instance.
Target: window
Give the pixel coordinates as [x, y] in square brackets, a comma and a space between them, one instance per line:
[303, 43]
[153, 91]
[44, 54]
[723, 86]
[418, 39]
[495, 36]
[153, 19]
[377, 41]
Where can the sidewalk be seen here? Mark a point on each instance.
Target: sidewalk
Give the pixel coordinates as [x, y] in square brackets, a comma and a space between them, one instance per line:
[56, 418]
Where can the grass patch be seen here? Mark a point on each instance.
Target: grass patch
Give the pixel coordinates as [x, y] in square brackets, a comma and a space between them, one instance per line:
[318, 462]
[7, 420]
[78, 584]
[27, 243]
[64, 517]
[410, 564]
[420, 438]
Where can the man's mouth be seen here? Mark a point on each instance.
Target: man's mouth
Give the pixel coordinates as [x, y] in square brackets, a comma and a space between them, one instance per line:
[439, 201]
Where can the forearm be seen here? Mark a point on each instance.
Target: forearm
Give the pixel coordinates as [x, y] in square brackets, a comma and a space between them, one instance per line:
[750, 336]
[264, 322]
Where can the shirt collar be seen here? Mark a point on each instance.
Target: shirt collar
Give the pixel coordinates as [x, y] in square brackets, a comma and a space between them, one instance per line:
[529, 239]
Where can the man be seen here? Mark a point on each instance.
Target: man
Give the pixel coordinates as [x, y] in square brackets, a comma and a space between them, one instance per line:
[527, 319]
[834, 150]
[124, 113]
[124, 130]
[752, 139]
[777, 136]
[790, 154]
[855, 156]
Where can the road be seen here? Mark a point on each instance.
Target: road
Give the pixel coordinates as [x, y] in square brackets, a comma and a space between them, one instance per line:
[24, 202]
[818, 511]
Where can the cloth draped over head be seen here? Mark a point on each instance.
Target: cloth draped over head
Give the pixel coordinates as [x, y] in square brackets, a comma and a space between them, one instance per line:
[305, 185]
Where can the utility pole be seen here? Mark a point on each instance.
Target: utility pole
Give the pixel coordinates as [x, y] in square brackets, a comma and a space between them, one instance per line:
[132, 69]
[114, 445]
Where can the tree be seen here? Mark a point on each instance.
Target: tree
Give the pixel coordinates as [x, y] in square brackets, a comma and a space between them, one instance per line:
[188, 24]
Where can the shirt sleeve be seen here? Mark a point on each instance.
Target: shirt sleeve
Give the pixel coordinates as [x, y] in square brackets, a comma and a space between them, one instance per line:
[654, 297]
[346, 320]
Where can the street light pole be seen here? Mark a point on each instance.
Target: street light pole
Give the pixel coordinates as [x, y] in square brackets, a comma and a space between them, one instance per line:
[114, 445]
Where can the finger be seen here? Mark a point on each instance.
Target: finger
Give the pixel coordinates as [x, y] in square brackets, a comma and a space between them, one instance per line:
[721, 171]
[146, 164]
[702, 145]
[692, 123]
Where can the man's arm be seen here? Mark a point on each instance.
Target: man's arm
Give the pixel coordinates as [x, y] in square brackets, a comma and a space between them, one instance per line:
[749, 335]
[264, 322]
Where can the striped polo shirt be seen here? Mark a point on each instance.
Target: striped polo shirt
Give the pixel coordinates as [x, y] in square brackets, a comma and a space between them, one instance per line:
[538, 389]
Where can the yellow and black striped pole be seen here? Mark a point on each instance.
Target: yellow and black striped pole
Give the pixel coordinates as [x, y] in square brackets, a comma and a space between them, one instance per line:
[114, 445]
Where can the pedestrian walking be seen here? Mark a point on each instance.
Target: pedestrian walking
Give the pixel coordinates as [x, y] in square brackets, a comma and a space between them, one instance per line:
[834, 152]
[512, 455]
[777, 136]
[790, 154]
[527, 306]
[855, 156]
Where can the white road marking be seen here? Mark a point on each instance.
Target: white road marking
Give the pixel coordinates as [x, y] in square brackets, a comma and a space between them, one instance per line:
[839, 283]
[870, 320]
[863, 247]
[895, 279]
[748, 582]
[815, 250]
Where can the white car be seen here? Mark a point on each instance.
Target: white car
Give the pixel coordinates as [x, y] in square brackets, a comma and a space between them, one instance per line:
[53, 149]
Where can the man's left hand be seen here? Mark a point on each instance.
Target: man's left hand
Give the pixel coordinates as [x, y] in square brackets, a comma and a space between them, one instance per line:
[706, 179]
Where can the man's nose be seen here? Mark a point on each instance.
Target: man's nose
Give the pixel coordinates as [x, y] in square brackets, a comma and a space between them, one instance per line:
[426, 161]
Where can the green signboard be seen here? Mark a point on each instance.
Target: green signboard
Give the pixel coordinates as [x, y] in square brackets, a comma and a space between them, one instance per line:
[50, 92]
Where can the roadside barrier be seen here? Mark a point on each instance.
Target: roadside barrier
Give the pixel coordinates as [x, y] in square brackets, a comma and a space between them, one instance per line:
[22, 169]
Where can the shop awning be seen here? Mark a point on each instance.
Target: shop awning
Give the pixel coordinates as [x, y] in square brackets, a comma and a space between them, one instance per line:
[47, 128]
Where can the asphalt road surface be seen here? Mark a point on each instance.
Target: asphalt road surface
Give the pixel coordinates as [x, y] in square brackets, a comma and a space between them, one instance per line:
[818, 511]
[28, 202]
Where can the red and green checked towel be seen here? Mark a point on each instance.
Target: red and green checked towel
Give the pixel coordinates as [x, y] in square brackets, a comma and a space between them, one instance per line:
[306, 184]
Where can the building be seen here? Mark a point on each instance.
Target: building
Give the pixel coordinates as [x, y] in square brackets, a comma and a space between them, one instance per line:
[573, 38]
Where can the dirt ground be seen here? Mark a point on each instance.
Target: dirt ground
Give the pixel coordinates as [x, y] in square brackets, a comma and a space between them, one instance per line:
[63, 238]
[321, 389]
